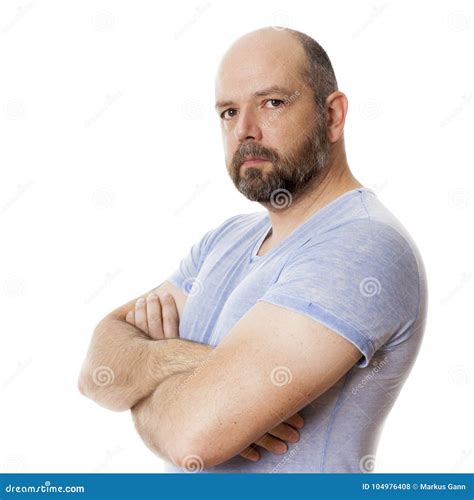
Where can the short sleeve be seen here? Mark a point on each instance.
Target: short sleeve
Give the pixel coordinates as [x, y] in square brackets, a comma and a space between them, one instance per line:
[360, 280]
[185, 276]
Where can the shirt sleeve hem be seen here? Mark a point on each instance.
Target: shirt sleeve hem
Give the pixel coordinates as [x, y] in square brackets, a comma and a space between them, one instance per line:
[325, 317]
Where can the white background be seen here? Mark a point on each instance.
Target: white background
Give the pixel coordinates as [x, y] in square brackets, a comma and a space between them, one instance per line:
[112, 167]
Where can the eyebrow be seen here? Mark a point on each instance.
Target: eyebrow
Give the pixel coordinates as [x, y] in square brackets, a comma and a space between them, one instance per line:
[274, 89]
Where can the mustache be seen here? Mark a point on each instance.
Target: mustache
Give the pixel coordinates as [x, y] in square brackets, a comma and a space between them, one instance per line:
[252, 149]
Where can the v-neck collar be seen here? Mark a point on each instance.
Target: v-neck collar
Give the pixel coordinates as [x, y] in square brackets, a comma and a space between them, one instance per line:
[299, 229]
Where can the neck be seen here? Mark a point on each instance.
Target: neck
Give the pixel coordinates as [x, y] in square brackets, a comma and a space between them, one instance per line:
[336, 180]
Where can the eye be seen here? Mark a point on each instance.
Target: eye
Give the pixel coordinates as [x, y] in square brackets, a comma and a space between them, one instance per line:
[228, 114]
[275, 103]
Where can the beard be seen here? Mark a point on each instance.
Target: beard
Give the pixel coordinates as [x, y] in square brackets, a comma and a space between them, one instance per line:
[292, 174]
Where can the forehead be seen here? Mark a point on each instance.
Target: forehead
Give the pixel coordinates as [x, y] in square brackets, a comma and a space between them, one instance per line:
[260, 61]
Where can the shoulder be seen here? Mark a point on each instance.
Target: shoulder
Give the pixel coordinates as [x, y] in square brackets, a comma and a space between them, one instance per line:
[236, 226]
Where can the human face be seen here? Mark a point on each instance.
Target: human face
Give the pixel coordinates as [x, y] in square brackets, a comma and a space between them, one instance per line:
[274, 139]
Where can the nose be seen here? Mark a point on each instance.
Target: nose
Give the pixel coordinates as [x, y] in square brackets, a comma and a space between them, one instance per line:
[247, 127]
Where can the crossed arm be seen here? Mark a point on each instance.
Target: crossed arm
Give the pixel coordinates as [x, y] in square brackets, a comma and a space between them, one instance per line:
[124, 364]
[270, 365]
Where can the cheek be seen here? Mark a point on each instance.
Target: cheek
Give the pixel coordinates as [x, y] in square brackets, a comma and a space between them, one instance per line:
[229, 142]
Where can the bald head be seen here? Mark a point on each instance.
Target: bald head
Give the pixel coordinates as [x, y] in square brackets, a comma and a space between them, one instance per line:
[277, 51]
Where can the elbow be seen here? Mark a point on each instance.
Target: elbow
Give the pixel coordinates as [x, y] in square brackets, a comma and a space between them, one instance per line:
[196, 454]
[103, 392]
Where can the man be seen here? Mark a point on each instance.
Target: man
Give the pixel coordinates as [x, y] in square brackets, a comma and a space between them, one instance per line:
[316, 305]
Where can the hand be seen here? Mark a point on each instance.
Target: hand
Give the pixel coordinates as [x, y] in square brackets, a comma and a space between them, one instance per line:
[156, 317]
[274, 440]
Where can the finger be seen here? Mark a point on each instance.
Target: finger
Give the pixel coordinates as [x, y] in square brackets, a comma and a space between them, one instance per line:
[285, 433]
[250, 454]
[140, 315]
[296, 421]
[130, 318]
[272, 444]
[170, 316]
[153, 311]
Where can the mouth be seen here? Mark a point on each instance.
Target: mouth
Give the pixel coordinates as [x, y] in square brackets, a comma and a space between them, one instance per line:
[251, 161]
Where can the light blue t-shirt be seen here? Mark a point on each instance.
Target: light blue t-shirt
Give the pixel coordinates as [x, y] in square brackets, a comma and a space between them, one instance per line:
[352, 267]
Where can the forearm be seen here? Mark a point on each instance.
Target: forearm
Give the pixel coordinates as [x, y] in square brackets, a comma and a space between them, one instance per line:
[123, 365]
[161, 419]
[155, 423]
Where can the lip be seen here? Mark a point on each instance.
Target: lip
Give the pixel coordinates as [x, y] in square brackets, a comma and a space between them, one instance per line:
[253, 161]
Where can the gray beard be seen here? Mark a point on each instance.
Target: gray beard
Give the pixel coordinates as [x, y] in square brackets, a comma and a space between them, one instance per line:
[291, 175]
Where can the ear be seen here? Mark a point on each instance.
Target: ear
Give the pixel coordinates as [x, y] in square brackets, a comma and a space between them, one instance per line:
[336, 105]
